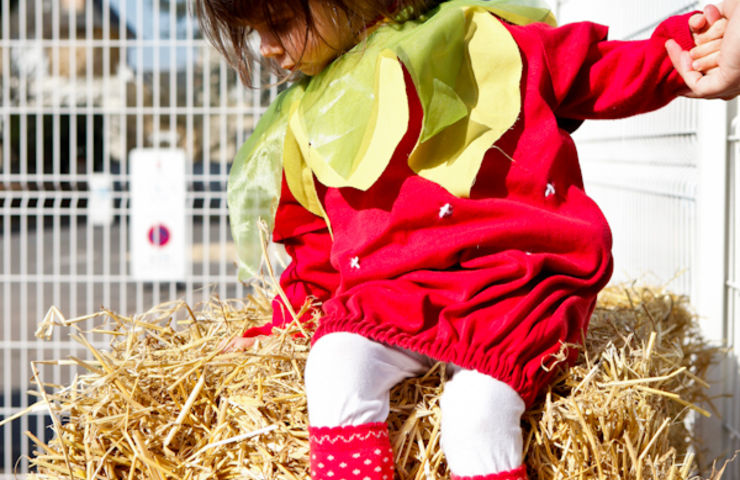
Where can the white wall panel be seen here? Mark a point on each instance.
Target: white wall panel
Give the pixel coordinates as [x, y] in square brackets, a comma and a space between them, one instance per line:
[625, 18]
[730, 371]
[642, 171]
[662, 181]
[652, 212]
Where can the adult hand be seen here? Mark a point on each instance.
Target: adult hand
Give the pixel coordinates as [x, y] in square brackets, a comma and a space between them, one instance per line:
[717, 55]
[708, 29]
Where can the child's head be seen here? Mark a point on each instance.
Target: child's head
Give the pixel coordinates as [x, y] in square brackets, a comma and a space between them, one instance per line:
[295, 35]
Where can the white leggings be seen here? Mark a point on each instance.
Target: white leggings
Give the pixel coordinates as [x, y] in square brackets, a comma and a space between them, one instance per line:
[348, 382]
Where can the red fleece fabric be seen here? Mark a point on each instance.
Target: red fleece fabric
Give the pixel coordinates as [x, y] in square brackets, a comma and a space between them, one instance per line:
[502, 281]
[353, 452]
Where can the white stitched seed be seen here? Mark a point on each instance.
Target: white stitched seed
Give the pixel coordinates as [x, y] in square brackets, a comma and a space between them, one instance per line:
[355, 263]
[550, 190]
[445, 210]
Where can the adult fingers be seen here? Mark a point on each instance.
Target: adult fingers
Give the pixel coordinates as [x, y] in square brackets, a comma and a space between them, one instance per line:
[712, 13]
[695, 81]
[679, 57]
[715, 84]
[706, 63]
[714, 32]
[698, 23]
[728, 7]
[701, 22]
[705, 49]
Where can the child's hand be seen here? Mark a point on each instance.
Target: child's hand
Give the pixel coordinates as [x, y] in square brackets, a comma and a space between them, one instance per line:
[238, 344]
[718, 74]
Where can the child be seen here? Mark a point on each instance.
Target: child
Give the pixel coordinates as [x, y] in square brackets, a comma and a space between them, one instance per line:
[432, 203]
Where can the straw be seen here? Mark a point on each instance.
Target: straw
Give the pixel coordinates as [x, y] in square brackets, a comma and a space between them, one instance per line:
[162, 402]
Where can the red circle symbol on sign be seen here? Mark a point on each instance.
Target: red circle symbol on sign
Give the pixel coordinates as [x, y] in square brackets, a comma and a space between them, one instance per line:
[159, 235]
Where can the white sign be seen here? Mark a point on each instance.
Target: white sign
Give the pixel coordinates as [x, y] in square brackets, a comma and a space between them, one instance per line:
[100, 203]
[159, 238]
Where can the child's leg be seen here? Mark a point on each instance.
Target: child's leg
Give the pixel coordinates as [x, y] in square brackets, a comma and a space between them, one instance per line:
[360, 452]
[349, 378]
[481, 433]
[348, 382]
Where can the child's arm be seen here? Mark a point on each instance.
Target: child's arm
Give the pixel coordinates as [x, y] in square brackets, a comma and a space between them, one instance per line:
[309, 274]
[712, 68]
[592, 77]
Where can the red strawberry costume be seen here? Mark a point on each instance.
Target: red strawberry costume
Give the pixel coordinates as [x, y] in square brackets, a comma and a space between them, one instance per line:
[499, 278]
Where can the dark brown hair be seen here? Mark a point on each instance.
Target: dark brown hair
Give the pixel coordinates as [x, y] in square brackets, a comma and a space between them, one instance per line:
[227, 24]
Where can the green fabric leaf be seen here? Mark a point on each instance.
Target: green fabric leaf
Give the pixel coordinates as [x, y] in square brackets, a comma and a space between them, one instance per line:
[254, 180]
[338, 108]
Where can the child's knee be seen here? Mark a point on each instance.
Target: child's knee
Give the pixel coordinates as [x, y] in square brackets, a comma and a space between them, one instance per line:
[479, 403]
[481, 431]
[340, 386]
[335, 363]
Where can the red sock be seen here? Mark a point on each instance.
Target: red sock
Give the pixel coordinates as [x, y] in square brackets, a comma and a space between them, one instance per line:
[360, 452]
[516, 474]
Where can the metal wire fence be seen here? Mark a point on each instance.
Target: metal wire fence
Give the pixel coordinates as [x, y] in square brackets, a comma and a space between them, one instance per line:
[83, 84]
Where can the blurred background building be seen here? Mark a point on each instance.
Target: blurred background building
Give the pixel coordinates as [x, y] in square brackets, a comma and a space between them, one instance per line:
[85, 83]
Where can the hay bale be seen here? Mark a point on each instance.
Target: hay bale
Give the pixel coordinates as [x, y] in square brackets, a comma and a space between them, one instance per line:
[162, 403]
[620, 412]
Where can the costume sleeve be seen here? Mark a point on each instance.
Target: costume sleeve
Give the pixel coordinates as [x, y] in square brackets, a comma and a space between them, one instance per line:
[593, 77]
[309, 274]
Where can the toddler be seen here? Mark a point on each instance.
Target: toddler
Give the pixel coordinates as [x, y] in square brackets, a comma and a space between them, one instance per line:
[431, 200]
